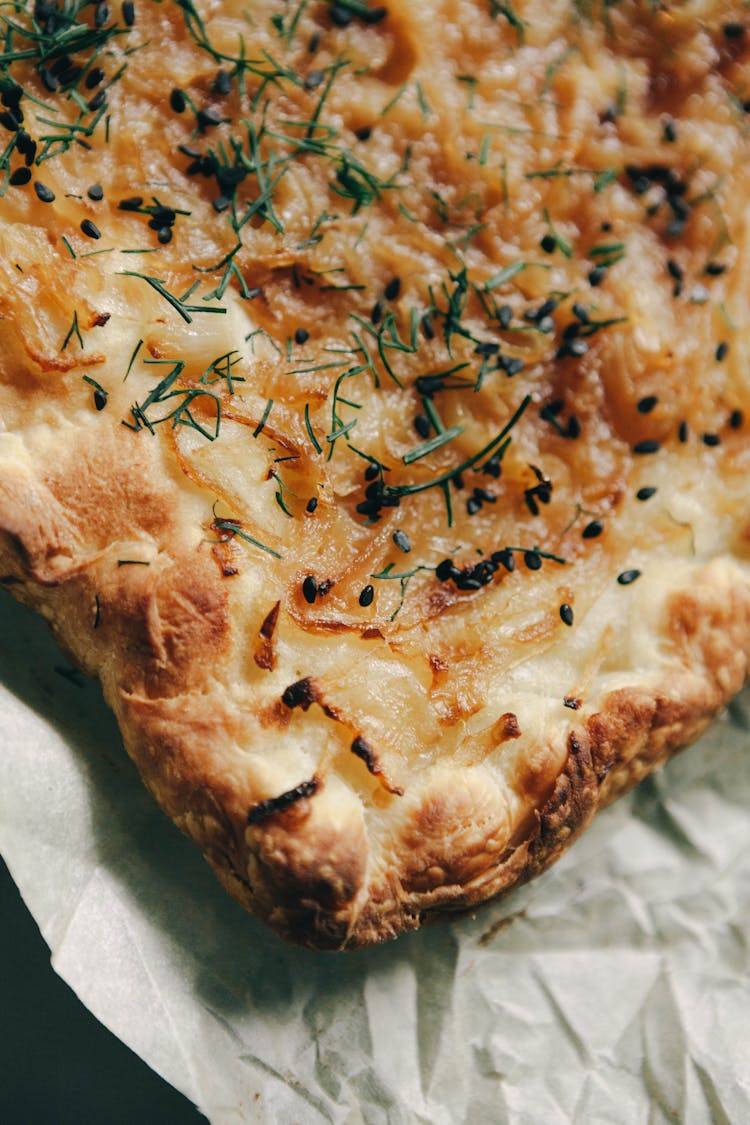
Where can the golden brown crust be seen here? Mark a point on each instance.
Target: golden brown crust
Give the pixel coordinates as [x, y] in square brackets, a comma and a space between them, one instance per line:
[378, 681]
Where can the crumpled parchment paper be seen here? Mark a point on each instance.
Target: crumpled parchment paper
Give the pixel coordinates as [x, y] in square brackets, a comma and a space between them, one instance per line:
[614, 989]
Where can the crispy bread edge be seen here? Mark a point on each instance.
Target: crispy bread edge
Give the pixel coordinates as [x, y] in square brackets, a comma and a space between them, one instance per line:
[305, 869]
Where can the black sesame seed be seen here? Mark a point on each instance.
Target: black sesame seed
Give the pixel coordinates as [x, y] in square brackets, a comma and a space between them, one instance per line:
[61, 62]
[128, 13]
[682, 432]
[670, 131]
[722, 351]
[647, 404]
[510, 365]
[392, 289]
[70, 75]
[222, 83]
[634, 172]
[311, 505]
[364, 133]
[221, 203]
[566, 614]
[94, 77]
[100, 398]
[486, 348]
[177, 101]
[90, 229]
[597, 276]
[162, 217]
[314, 42]
[428, 384]
[473, 505]
[428, 329]
[736, 418]
[465, 580]
[341, 17]
[97, 101]
[733, 30]
[20, 177]
[402, 541]
[422, 425]
[301, 336]
[645, 493]
[628, 576]
[445, 570]
[716, 269]
[96, 192]
[580, 312]
[504, 558]
[573, 347]
[309, 589]
[680, 207]
[164, 235]
[505, 316]
[377, 312]
[133, 203]
[11, 96]
[230, 177]
[675, 269]
[647, 446]
[366, 595]
[372, 471]
[532, 559]
[208, 117]
[574, 427]
[101, 14]
[711, 439]
[313, 79]
[548, 244]
[45, 194]
[9, 120]
[593, 530]
[49, 80]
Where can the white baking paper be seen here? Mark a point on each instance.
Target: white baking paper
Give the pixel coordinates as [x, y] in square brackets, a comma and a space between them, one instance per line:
[614, 989]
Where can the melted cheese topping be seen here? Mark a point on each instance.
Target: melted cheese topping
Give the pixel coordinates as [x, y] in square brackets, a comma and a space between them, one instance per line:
[439, 320]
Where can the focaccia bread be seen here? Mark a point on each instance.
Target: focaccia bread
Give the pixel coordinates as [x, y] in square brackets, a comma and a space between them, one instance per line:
[374, 389]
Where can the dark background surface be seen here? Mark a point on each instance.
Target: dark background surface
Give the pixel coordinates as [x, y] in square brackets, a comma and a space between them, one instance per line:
[58, 1064]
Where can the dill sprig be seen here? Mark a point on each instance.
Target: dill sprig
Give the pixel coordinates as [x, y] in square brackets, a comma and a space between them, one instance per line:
[389, 573]
[179, 304]
[496, 447]
[234, 528]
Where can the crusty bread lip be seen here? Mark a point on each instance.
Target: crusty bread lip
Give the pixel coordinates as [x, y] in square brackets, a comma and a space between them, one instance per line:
[383, 634]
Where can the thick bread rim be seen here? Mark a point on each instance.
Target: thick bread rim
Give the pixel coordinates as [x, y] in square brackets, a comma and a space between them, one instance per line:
[312, 886]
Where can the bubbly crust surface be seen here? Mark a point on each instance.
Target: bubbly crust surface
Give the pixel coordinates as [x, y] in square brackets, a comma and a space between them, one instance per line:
[373, 418]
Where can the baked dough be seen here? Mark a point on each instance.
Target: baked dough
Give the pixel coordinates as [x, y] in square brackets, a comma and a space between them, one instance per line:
[373, 418]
